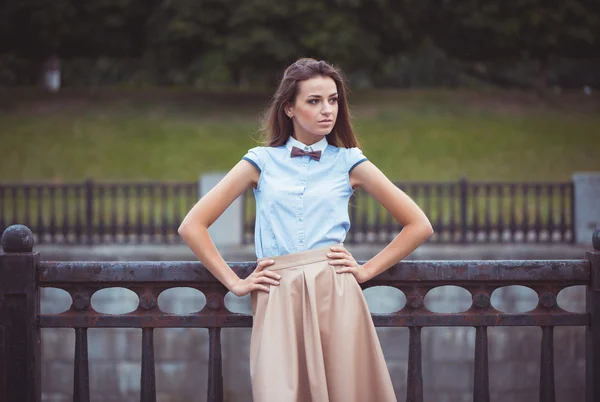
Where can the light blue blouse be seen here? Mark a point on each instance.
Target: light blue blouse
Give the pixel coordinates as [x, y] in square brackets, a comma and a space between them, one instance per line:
[301, 203]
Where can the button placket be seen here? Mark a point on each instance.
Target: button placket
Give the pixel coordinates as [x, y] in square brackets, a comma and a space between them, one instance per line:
[300, 214]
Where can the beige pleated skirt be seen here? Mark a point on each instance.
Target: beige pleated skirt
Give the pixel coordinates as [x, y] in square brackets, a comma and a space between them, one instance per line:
[313, 339]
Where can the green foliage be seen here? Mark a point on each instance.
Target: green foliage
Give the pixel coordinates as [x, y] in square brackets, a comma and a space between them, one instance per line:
[220, 43]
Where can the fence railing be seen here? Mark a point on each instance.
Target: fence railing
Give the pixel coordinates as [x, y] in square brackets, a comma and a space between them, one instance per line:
[465, 212]
[96, 213]
[22, 275]
[461, 212]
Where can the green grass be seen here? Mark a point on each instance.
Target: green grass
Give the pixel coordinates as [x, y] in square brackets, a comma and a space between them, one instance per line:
[177, 135]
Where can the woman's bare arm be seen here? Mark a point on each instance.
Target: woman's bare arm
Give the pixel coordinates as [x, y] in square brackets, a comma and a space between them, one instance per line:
[416, 226]
[194, 227]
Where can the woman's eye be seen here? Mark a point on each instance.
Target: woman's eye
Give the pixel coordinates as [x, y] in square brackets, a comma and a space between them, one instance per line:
[333, 100]
[313, 101]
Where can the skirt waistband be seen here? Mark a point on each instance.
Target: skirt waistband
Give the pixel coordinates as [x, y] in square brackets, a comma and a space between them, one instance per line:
[299, 258]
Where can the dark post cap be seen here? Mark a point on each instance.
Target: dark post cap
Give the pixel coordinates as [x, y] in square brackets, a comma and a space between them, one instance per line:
[596, 239]
[17, 239]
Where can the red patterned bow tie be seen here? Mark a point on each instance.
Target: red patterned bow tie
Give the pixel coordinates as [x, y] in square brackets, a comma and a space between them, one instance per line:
[316, 155]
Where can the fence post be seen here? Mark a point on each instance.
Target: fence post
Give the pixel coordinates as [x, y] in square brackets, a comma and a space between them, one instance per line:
[592, 354]
[228, 229]
[586, 214]
[464, 200]
[20, 351]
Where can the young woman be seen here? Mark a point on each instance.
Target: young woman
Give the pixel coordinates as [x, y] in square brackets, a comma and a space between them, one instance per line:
[313, 338]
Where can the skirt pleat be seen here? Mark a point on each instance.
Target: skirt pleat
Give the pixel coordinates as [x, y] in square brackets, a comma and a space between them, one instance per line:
[313, 339]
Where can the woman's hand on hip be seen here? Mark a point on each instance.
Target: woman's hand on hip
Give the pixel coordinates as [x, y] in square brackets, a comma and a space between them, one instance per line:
[342, 261]
[259, 279]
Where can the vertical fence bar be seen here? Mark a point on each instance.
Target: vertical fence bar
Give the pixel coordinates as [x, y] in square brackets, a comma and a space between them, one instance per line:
[440, 213]
[65, 207]
[563, 213]
[81, 380]
[427, 198]
[452, 224]
[352, 212]
[481, 384]
[475, 202]
[377, 224]
[2, 222]
[148, 378]
[571, 188]
[177, 218]
[164, 224]
[40, 228]
[414, 380]
[464, 203]
[215, 366]
[89, 211]
[139, 204]
[114, 216]
[20, 365]
[152, 190]
[547, 393]
[15, 205]
[245, 206]
[550, 226]
[488, 212]
[500, 225]
[364, 203]
[513, 211]
[525, 217]
[27, 196]
[78, 219]
[538, 213]
[101, 218]
[592, 353]
[193, 194]
[126, 221]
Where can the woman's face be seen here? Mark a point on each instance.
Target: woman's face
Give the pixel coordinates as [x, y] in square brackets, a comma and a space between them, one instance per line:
[315, 109]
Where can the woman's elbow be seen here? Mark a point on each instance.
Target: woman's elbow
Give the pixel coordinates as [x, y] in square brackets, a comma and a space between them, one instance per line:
[184, 229]
[189, 228]
[181, 230]
[427, 229]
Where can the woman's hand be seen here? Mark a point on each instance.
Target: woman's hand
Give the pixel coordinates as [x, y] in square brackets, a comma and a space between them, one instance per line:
[343, 261]
[257, 280]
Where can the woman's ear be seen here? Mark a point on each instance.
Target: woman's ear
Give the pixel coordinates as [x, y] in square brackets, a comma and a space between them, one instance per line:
[288, 108]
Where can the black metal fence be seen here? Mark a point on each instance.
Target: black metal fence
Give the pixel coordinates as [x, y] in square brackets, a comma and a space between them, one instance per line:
[95, 213]
[22, 275]
[461, 212]
[465, 212]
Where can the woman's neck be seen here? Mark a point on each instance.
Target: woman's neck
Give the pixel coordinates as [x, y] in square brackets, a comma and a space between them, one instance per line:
[308, 139]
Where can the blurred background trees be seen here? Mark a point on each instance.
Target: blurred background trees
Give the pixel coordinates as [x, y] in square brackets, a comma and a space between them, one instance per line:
[220, 44]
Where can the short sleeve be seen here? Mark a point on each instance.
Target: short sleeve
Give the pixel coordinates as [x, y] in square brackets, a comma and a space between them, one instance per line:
[354, 157]
[255, 157]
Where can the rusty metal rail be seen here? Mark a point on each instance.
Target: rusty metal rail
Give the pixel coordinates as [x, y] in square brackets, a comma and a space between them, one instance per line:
[22, 276]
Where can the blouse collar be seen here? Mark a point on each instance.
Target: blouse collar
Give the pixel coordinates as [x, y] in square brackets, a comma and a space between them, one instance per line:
[317, 146]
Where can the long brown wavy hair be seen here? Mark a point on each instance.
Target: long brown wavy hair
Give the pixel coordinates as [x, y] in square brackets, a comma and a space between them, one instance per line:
[277, 126]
